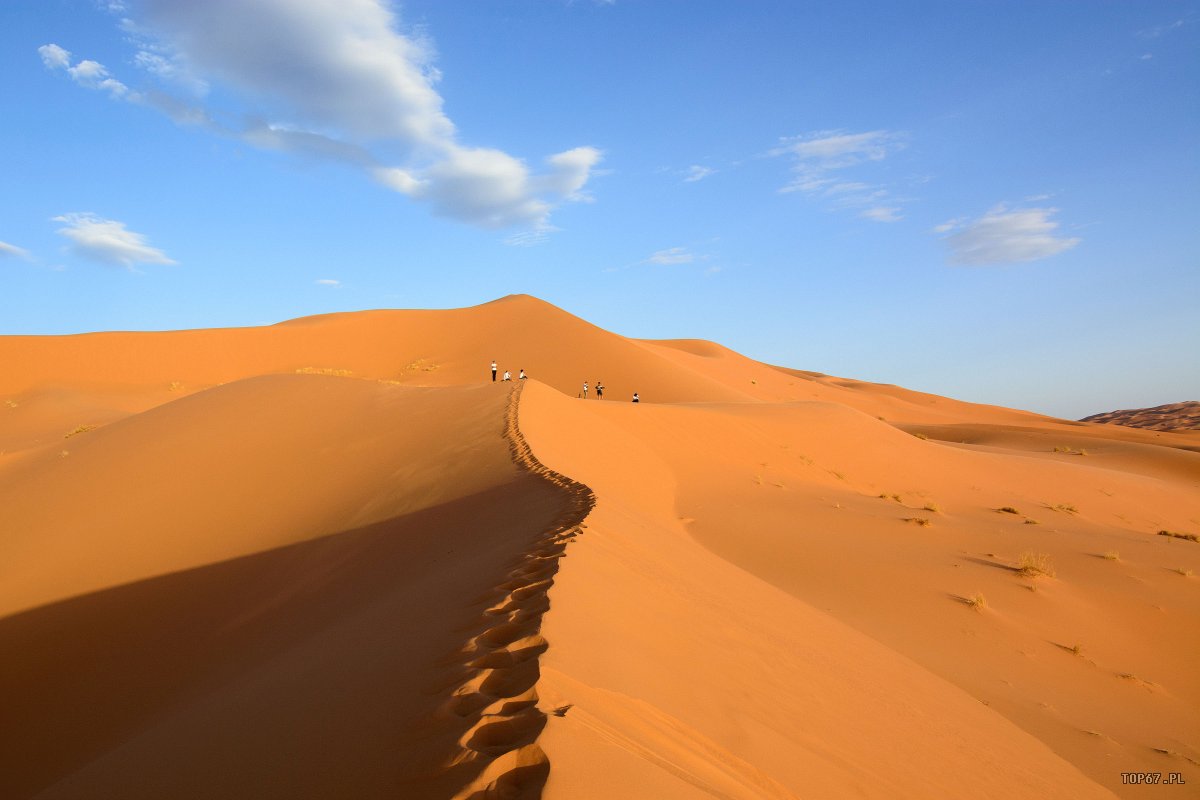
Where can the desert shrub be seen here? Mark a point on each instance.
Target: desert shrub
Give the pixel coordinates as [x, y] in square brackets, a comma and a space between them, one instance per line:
[1033, 565]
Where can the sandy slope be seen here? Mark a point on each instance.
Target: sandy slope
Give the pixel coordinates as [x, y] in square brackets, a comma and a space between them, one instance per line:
[809, 522]
[315, 559]
[262, 590]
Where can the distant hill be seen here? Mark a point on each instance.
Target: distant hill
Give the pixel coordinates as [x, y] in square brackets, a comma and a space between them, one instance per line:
[1183, 416]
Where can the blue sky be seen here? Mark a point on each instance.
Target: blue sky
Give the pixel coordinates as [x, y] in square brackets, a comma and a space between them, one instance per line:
[995, 201]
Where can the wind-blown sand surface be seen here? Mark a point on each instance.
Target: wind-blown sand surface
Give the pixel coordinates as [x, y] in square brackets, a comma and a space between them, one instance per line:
[331, 558]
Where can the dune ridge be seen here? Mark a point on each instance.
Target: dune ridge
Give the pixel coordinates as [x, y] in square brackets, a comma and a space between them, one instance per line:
[500, 695]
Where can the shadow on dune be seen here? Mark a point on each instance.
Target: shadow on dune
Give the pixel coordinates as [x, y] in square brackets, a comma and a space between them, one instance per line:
[313, 670]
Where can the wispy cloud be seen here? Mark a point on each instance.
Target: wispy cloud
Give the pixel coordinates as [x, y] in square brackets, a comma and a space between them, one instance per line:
[677, 257]
[1005, 236]
[672, 255]
[882, 214]
[338, 80]
[329, 282]
[827, 164]
[1156, 31]
[530, 237]
[86, 73]
[837, 149]
[12, 251]
[108, 241]
[698, 173]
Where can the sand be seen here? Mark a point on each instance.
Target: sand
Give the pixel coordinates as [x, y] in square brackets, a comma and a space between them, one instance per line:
[1168, 417]
[330, 557]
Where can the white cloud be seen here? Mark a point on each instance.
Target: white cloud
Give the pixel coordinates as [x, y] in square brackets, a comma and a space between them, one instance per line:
[108, 241]
[837, 149]
[88, 74]
[882, 214]
[396, 179]
[339, 63]
[672, 255]
[337, 79]
[1003, 236]
[697, 173]
[821, 160]
[54, 57]
[171, 69]
[569, 171]
[330, 282]
[12, 251]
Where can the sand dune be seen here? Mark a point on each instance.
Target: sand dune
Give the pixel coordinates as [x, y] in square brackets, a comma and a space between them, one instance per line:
[1168, 417]
[330, 558]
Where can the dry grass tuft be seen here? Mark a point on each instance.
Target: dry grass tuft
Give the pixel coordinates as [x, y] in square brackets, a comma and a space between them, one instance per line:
[1184, 571]
[1033, 565]
[1008, 510]
[1112, 555]
[977, 601]
[1191, 537]
[341, 373]
[80, 429]
[924, 522]
[934, 507]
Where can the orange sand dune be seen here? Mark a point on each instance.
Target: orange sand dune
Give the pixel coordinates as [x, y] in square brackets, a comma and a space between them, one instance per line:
[263, 590]
[321, 558]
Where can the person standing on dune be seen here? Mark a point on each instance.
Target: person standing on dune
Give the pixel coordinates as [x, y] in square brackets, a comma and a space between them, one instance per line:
[636, 399]
[599, 390]
[493, 370]
[585, 390]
